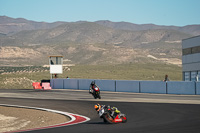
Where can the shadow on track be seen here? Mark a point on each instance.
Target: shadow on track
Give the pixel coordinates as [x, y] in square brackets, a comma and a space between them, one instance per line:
[96, 123]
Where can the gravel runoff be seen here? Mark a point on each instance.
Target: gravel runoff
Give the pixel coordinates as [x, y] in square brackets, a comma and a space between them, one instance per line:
[13, 118]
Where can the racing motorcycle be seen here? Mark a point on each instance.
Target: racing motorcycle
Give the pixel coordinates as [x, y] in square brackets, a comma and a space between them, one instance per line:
[94, 90]
[106, 115]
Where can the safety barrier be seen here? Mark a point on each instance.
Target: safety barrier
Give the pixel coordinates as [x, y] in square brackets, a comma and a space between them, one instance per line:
[84, 84]
[106, 85]
[57, 83]
[197, 88]
[36, 85]
[153, 87]
[183, 87]
[70, 84]
[159, 87]
[127, 86]
[46, 86]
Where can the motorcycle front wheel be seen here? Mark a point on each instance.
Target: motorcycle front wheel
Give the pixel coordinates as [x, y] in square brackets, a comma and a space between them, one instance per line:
[124, 118]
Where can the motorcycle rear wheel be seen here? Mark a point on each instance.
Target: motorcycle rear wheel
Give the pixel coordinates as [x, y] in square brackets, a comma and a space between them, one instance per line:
[108, 118]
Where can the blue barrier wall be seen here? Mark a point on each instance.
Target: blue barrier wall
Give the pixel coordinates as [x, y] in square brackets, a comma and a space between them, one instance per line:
[106, 85]
[51, 83]
[153, 87]
[58, 83]
[84, 84]
[127, 86]
[70, 84]
[184, 87]
[197, 88]
[170, 87]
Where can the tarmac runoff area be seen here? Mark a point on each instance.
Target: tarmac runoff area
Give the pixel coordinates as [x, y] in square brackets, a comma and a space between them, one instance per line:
[14, 119]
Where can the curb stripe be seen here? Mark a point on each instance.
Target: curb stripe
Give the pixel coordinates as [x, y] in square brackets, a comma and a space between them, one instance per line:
[75, 118]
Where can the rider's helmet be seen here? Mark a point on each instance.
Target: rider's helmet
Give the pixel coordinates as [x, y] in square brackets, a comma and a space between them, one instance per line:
[97, 106]
[93, 83]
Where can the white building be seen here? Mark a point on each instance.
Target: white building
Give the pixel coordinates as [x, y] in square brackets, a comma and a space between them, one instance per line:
[191, 58]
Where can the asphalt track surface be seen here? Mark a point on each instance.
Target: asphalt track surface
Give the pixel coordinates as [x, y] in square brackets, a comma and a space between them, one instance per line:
[146, 113]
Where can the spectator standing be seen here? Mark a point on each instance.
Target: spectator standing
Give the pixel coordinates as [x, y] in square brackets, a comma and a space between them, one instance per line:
[166, 78]
[197, 78]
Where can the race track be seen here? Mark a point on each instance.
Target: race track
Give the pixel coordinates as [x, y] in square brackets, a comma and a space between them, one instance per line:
[146, 113]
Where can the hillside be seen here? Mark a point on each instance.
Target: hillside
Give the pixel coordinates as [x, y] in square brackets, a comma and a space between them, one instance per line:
[189, 29]
[90, 33]
[89, 42]
[11, 26]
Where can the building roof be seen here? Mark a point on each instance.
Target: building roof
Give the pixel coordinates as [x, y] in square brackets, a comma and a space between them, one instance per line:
[191, 37]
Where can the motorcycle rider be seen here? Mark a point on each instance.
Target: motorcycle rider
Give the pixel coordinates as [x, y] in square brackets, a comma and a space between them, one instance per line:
[91, 89]
[98, 107]
[113, 110]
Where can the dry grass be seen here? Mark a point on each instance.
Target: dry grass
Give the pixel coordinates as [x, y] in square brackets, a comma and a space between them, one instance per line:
[23, 80]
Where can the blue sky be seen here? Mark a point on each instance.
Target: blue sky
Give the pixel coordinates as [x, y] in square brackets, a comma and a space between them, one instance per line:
[161, 12]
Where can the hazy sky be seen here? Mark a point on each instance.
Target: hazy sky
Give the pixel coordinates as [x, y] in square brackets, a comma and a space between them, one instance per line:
[161, 12]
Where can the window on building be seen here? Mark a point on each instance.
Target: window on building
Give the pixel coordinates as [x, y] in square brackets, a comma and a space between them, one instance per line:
[55, 60]
[187, 51]
[198, 76]
[187, 76]
[196, 50]
[192, 50]
[193, 76]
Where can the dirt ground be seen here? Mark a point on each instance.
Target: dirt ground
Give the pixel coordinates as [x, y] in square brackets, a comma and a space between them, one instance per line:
[12, 119]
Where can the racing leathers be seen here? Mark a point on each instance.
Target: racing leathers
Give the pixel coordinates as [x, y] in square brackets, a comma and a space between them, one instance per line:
[91, 89]
[112, 110]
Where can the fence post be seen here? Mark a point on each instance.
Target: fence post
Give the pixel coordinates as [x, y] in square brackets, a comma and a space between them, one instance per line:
[78, 84]
[139, 87]
[195, 88]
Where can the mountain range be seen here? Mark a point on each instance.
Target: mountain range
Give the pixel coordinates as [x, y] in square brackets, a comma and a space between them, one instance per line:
[82, 42]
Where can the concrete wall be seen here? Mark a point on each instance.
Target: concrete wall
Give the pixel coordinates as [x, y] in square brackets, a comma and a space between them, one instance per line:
[57, 83]
[106, 85]
[160, 87]
[84, 84]
[127, 86]
[197, 88]
[153, 87]
[183, 87]
[71, 84]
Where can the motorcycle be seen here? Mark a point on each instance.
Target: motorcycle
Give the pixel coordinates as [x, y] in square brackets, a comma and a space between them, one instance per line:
[94, 90]
[106, 115]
